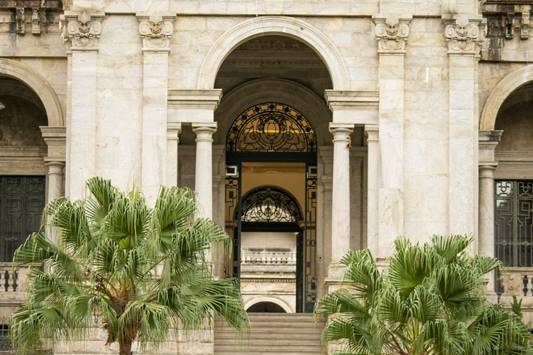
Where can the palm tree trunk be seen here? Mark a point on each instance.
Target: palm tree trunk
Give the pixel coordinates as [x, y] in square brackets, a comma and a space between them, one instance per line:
[125, 347]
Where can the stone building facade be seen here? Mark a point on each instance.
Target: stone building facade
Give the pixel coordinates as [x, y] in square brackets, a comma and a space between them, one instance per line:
[378, 119]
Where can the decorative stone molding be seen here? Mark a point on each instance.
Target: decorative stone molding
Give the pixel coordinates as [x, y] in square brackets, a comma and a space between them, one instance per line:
[500, 93]
[505, 20]
[391, 34]
[20, 20]
[464, 36]
[155, 32]
[38, 10]
[55, 139]
[358, 107]
[82, 30]
[488, 141]
[273, 25]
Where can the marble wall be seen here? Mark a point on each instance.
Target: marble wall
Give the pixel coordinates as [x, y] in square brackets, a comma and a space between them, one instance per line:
[420, 87]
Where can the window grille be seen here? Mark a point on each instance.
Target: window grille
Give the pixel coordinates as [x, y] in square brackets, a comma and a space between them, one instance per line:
[514, 222]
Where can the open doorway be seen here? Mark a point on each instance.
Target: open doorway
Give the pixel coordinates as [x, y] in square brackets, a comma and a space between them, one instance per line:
[271, 204]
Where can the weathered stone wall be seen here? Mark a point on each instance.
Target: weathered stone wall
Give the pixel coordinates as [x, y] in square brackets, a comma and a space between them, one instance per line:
[432, 82]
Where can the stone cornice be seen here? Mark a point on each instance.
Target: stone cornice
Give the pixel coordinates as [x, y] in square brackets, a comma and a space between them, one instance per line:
[155, 31]
[391, 34]
[464, 36]
[82, 30]
[351, 99]
[204, 99]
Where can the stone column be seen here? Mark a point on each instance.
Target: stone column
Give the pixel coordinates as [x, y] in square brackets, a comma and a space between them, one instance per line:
[340, 198]
[55, 138]
[391, 35]
[155, 33]
[203, 175]
[81, 32]
[463, 47]
[372, 210]
[487, 165]
[173, 139]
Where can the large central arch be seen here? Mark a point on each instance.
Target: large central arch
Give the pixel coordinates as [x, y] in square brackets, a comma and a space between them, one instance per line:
[273, 25]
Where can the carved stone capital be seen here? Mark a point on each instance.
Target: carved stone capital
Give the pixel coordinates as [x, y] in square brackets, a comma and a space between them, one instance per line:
[81, 31]
[391, 34]
[464, 36]
[155, 32]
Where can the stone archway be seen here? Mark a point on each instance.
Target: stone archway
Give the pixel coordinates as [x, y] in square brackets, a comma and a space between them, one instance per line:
[501, 91]
[276, 301]
[54, 133]
[273, 25]
[39, 85]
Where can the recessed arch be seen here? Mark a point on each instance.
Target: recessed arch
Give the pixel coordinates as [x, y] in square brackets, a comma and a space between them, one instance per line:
[39, 85]
[501, 91]
[269, 204]
[273, 25]
[255, 91]
[274, 300]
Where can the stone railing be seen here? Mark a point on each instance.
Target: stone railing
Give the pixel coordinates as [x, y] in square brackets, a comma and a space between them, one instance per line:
[516, 281]
[13, 281]
[266, 257]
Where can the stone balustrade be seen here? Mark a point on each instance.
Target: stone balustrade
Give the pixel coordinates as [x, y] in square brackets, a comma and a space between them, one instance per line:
[13, 282]
[516, 281]
[268, 257]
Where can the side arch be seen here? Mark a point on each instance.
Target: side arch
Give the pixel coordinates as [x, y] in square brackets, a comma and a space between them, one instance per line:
[501, 91]
[273, 25]
[274, 300]
[39, 85]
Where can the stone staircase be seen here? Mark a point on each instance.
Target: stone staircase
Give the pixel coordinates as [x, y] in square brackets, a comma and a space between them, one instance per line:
[272, 334]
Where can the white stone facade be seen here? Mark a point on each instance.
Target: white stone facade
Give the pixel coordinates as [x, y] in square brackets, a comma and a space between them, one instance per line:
[407, 117]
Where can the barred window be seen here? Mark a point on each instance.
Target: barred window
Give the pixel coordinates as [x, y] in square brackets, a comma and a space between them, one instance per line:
[5, 343]
[514, 222]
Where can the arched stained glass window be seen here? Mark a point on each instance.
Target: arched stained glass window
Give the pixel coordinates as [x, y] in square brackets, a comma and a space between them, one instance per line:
[270, 204]
[271, 127]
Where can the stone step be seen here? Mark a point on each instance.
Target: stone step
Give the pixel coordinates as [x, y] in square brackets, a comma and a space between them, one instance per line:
[280, 350]
[272, 334]
[268, 342]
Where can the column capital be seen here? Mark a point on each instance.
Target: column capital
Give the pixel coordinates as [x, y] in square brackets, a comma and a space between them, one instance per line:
[155, 31]
[341, 131]
[55, 139]
[173, 130]
[464, 36]
[372, 133]
[55, 166]
[204, 131]
[487, 142]
[493, 136]
[391, 34]
[491, 166]
[81, 30]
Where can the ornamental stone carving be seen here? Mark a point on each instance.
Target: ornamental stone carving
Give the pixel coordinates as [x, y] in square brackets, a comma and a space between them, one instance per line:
[155, 32]
[392, 34]
[82, 31]
[464, 36]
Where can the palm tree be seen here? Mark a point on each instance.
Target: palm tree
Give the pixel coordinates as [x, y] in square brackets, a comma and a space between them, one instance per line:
[430, 300]
[135, 271]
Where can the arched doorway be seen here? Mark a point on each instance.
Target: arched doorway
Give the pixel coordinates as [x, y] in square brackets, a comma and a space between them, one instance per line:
[22, 167]
[270, 173]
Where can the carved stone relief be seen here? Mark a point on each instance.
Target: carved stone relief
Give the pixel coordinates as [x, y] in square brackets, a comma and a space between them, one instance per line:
[82, 31]
[464, 36]
[392, 34]
[155, 32]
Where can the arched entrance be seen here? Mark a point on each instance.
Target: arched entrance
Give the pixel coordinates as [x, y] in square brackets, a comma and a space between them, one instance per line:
[271, 199]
